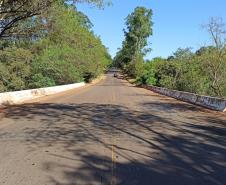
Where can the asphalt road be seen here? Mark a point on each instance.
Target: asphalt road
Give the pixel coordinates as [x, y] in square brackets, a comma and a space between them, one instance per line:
[111, 133]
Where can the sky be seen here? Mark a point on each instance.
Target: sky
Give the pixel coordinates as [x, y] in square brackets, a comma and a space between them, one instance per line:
[177, 23]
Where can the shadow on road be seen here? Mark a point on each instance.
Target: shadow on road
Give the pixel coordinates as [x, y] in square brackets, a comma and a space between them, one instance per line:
[167, 151]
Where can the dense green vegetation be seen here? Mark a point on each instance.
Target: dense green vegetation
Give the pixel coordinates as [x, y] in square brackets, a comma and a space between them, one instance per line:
[54, 47]
[202, 72]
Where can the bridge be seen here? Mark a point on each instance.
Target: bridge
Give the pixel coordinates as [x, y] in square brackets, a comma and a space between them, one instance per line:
[113, 133]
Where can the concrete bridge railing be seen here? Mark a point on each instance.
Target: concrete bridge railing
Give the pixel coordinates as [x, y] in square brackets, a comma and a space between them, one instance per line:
[213, 103]
[17, 97]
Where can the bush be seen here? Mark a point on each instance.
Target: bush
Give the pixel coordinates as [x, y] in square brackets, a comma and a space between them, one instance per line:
[48, 66]
[147, 78]
[15, 68]
[38, 81]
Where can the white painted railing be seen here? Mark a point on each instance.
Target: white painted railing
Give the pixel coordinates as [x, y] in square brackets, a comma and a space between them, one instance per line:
[214, 103]
[10, 98]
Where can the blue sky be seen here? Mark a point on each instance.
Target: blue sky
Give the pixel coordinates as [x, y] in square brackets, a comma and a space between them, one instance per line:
[177, 23]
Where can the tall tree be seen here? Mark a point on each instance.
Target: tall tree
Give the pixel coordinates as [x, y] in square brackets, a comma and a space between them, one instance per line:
[138, 29]
[214, 58]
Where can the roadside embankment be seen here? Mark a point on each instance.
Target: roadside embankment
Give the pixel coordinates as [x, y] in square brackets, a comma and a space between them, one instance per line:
[213, 103]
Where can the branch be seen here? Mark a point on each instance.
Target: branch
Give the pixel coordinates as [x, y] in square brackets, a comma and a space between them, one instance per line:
[14, 21]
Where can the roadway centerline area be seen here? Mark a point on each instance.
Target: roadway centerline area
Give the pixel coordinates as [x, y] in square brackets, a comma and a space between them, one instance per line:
[112, 133]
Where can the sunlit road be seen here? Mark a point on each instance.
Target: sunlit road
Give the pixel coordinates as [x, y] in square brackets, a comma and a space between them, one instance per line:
[112, 133]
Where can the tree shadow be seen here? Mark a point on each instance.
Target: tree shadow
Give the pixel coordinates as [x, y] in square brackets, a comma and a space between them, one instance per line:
[149, 149]
[172, 106]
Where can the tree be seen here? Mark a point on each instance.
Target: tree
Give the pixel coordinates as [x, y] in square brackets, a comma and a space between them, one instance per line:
[15, 68]
[13, 12]
[214, 58]
[64, 50]
[202, 72]
[183, 54]
[138, 29]
[69, 53]
[216, 29]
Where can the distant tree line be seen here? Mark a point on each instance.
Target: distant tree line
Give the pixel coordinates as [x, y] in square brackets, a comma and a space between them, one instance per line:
[47, 43]
[202, 72]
